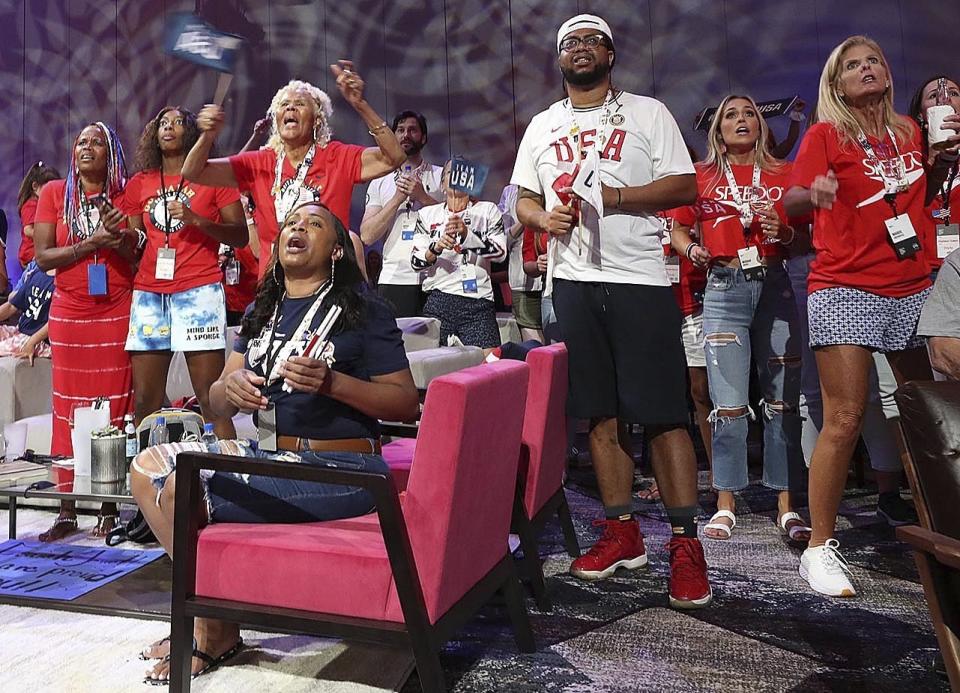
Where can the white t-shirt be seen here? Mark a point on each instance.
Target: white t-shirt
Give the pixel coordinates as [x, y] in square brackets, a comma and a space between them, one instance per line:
[643, 145]
[484, 244]
[517, 278]
[398, 241]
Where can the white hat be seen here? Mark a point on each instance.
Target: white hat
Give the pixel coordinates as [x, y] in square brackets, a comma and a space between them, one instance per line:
[583, 21]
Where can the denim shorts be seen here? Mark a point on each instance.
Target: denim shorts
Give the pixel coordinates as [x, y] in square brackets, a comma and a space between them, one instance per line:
[840, 315]
[250, 498]
[190, 320]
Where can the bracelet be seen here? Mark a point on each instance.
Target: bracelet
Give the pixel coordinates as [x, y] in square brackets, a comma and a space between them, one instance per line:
[689, 249]
[946, 158]
[617, 206]
[433, 249]
[793, 236]
[374, 130]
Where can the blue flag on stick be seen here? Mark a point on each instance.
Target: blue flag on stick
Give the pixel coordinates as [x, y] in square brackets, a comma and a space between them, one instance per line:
[468, 176]
[192, 39]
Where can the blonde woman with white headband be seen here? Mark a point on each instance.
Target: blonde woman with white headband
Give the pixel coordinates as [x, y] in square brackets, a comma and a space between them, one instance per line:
[301, 161]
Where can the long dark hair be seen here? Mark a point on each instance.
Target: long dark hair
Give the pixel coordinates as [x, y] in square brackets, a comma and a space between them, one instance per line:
[38, 173]
[148, 156]
[347, 292]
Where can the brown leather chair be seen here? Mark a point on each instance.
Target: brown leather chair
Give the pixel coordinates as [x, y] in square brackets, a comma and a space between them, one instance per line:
[930, 421]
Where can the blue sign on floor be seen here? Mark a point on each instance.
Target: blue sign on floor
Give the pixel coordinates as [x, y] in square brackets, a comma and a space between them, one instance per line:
[62, 571]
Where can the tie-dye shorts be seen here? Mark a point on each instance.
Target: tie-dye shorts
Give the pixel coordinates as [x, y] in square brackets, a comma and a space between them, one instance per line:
[191, 320]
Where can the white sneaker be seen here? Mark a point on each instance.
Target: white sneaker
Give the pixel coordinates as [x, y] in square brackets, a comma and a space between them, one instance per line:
[826, 570]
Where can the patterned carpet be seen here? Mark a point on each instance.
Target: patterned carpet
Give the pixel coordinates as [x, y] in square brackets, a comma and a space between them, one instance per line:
[766, 631]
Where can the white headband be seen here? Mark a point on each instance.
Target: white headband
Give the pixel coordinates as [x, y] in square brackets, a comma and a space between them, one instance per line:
[583, 21]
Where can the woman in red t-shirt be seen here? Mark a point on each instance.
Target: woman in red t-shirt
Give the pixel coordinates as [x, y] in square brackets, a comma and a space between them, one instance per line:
[748, 310]
[27, 197]
[861, 170]
[80, 233]
[944, 209]
[300, 162]
[178, 300]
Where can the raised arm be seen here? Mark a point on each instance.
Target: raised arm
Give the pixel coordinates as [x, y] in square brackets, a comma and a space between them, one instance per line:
[197, 167]
[388, 154]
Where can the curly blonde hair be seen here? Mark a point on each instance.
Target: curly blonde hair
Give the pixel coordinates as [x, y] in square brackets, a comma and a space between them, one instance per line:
[323, 110]
[831, 107]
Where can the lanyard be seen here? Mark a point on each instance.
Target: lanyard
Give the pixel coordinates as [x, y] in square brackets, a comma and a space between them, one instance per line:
[945, 191]
[575, 128]
[283, 201]
[271, 356]
[87, 223]
[891, 170]
[746, 213]
[166, 213]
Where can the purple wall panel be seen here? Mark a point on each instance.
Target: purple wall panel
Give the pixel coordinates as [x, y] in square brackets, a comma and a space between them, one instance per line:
[478, 69]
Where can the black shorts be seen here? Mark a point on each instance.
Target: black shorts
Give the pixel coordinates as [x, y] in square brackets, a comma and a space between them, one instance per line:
[626, 351]
[405, 299]
[473, 320]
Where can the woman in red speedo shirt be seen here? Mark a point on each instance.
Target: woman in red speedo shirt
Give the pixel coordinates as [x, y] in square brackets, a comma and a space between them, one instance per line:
[944, 209]
[861, 170]
[79, 232]
[178, 301]
[27, 198]
[748, 310]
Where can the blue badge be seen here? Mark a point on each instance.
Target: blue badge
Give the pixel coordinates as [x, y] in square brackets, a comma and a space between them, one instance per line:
[469, 286]
[406, 235]
[468, 176]
[97, 279]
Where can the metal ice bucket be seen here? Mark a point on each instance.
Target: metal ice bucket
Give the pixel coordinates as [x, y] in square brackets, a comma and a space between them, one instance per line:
[108, 455]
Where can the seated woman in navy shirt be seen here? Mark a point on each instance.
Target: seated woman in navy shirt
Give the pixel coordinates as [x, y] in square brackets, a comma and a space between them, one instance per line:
[31, 301]
[326, 409]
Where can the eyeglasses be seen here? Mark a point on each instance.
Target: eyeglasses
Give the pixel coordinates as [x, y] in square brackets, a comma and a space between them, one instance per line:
[590, 41]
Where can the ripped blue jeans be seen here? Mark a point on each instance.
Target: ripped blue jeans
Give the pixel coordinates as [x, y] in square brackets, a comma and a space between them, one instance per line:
[743, 321]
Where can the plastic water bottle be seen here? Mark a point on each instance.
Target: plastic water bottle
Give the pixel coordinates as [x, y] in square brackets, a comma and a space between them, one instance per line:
[133, 444]
[209, 438]
[158, 432]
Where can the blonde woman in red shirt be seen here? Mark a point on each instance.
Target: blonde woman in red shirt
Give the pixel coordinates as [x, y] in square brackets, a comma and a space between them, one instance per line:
[748, 310]
[861, 170]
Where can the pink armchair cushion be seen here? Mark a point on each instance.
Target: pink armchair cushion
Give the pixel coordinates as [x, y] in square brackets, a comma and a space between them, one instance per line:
[545, 425]
[457, 510]
[339, 567]
[398, 455]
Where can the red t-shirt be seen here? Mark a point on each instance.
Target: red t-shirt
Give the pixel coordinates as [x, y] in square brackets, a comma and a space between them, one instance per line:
[851, 241]
[196, 253]
[724, 236]
[693, 280]
[72, 278]
[929, 242]
[28, 214]
[241, 295]
[331, 177]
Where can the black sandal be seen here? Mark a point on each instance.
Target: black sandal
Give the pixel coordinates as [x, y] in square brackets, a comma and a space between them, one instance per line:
[62, 527]
[210, 663]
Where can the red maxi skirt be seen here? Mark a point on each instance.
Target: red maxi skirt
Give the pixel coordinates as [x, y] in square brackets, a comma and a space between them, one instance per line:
[87, 336]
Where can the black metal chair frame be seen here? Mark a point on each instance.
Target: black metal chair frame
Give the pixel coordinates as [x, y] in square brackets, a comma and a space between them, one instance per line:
[416, 633]
[529, 530]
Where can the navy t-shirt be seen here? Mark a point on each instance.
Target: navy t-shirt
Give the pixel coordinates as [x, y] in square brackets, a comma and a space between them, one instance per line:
[375, 348]
[33, 302]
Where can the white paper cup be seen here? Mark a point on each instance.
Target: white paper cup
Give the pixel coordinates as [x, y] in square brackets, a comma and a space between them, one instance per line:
[935, 116]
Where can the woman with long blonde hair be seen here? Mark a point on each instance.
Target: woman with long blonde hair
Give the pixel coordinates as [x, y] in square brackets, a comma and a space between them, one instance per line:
[748, 310]
[861, 170]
